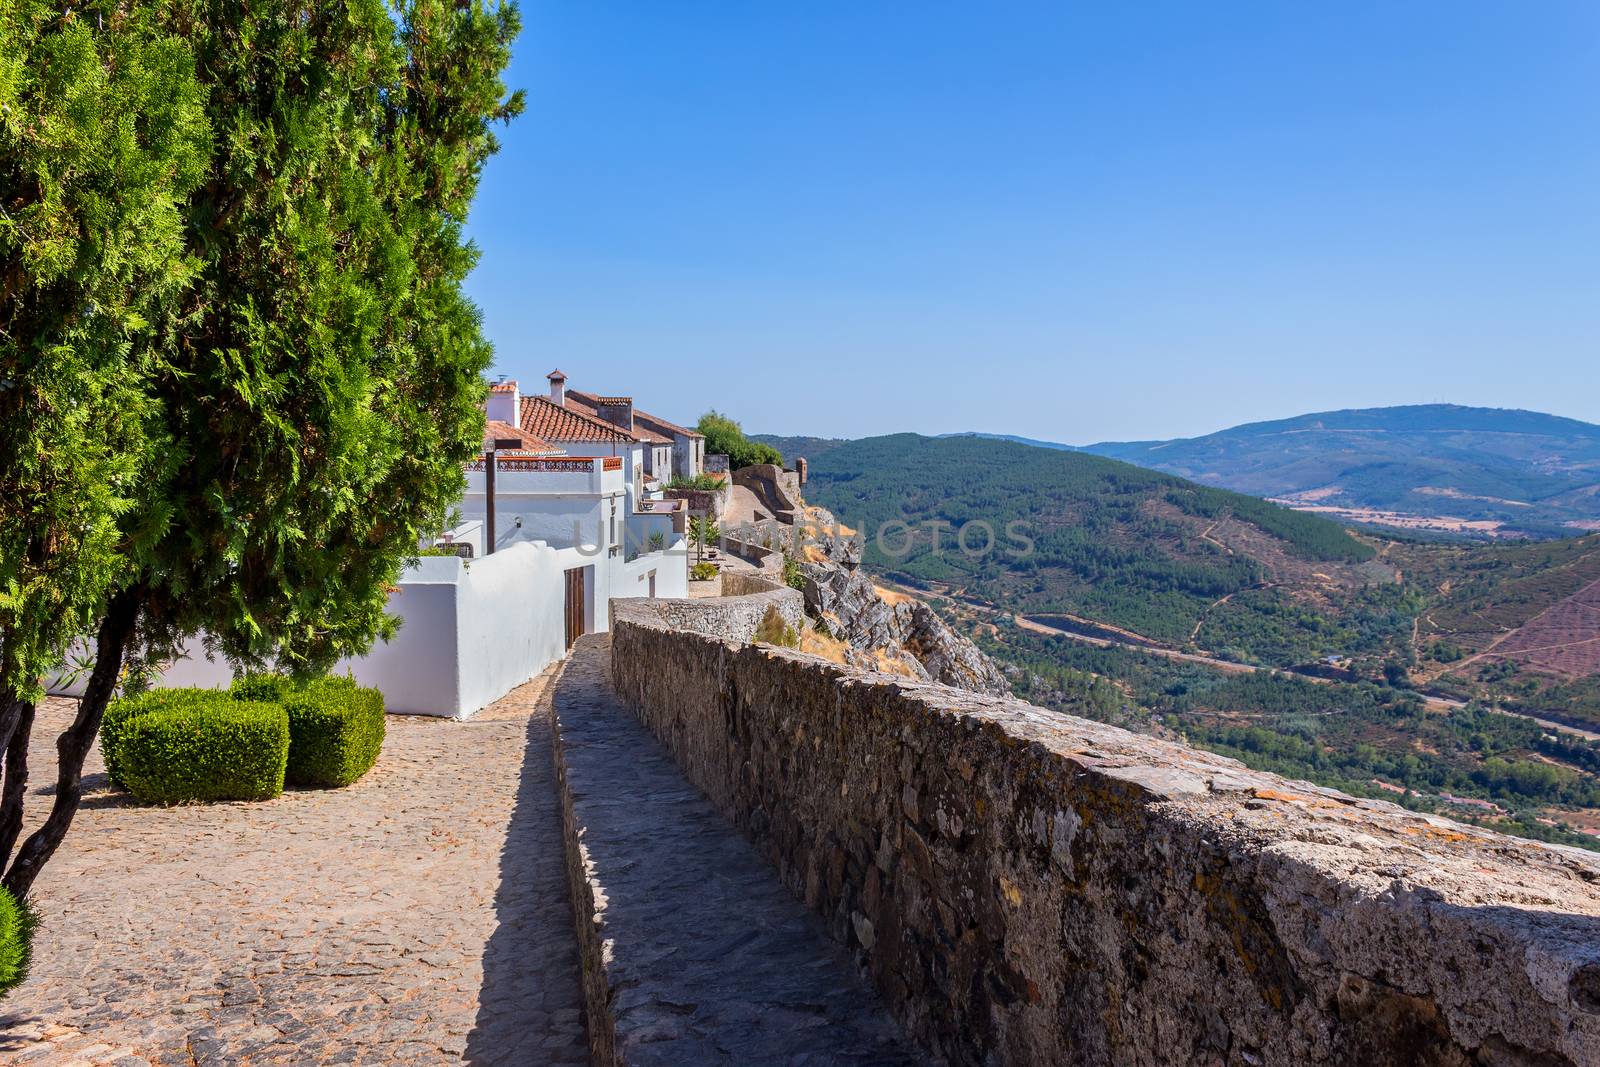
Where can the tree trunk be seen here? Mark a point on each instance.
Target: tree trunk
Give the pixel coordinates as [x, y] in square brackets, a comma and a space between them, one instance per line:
[11, 706]
[122, 613]
[16, 781]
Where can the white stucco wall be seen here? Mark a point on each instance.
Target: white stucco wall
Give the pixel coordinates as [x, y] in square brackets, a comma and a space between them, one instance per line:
[472, 631]
[632, 456]
[687, 455]
[558, 520]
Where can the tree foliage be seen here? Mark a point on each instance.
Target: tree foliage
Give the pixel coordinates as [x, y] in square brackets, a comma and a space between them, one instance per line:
[726, 437]
[322, 385]
[102, 135]
[297, 378]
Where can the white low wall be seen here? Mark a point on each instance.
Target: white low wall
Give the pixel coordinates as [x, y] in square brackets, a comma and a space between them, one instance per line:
[470, 630]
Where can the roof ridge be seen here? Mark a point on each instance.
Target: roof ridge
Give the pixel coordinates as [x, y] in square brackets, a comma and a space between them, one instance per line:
[615, 432]
[592, 399]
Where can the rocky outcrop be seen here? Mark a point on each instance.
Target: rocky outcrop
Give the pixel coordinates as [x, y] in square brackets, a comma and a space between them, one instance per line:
[904, 637]
[948, 657]
[845, 600]
[917, 641]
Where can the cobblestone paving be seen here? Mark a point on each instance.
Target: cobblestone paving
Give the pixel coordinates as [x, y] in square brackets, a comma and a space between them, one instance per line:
[687, 902]
[419, 916]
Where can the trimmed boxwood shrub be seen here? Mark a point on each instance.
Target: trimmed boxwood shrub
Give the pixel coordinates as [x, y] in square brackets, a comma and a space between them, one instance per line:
[119, 713]
[16, 941]
[335, 731]
[268, 688]
[116, 717]
[204, 746]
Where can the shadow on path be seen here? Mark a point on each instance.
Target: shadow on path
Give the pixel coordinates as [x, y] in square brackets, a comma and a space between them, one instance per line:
[530, 1006]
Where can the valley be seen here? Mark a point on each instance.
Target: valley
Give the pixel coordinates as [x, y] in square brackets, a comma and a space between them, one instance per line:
[1453, 676]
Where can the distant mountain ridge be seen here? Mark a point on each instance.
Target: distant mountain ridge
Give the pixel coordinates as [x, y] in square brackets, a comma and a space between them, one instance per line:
[1490, 471]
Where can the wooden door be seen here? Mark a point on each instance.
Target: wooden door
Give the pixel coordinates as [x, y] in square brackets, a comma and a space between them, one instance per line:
[574, 606]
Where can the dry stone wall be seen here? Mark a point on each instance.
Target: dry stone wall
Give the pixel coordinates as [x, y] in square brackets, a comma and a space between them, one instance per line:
[777, 489]
[734, 617]
[1025, 887]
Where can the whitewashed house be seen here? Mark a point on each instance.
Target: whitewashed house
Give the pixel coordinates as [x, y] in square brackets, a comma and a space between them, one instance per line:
[572, 530]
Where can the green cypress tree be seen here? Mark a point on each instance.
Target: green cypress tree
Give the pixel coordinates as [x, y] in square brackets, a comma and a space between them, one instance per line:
[317, 388]
[102, 135]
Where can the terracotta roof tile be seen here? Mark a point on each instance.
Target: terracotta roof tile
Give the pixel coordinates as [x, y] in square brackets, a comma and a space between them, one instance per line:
[547, 420]
[494, 429]
[589, 404]
[507, 386]
[662, 426]
[646, 427]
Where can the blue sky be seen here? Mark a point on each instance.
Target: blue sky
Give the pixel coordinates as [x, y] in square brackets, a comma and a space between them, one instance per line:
[1072, 221]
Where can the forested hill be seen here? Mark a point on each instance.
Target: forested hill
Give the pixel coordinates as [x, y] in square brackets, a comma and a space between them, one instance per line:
[1525, 471]
[1168, 559]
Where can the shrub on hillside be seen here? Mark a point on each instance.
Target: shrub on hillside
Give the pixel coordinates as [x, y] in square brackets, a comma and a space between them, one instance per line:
[204, 745]
[702, 482]
[16, 941]
[335, 731]
[775, 630]
[725, 437]
[794, 575]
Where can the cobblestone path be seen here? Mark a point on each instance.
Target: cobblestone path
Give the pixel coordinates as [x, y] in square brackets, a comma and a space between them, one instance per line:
[419, 916]
[689, 903]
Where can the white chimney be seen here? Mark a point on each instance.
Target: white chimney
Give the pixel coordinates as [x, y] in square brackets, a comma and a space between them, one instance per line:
[505, 403]
[558, 388]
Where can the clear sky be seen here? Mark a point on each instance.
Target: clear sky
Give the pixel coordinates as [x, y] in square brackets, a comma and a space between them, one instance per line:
[1073, 221]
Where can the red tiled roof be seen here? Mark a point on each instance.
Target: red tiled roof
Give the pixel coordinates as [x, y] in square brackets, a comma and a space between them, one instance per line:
[589, 404]
[557, 373]
[546, 419]
[646, 427]
[494, 429]
[662, 426]
[507, 386]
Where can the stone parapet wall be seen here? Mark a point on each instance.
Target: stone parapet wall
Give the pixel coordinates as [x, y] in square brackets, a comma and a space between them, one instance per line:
[734, 616]
[739, 583]
[1026, 887]
[768, 560]
[777, 489]
[713, 502]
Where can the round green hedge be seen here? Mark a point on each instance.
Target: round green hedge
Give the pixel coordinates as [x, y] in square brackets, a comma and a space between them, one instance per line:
[335, 731]
[16, 941]
[203, 745]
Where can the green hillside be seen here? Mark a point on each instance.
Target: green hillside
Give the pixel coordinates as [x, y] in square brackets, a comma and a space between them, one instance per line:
[1173, 561]
[1515, 623]
[1203, 569]
[1199, 568]
[1369, 740]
